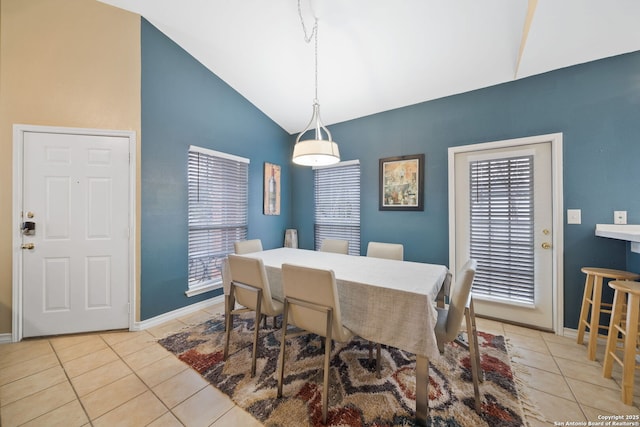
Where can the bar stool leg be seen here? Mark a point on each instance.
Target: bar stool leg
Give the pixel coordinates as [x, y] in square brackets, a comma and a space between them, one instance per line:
[612, 339]
[630, 342]
[594, 327]
[584, 311]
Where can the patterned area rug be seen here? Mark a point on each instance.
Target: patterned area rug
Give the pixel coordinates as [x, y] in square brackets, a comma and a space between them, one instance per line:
[356, 396]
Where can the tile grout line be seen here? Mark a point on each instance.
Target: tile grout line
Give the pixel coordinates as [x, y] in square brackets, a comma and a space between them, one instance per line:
[150, 389]
[564, 378]
[141, 380]
[66, 374]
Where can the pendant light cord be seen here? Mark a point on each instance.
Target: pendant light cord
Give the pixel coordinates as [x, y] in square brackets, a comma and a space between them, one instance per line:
[307, 39]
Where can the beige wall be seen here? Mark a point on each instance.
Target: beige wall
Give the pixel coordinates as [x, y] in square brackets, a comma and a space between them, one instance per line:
[72, 63]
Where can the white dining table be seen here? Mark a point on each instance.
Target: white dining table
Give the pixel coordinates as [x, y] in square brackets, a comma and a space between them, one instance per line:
[385, 301]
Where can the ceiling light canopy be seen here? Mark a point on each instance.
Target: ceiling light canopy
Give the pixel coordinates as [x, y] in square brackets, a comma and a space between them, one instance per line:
[317, 151]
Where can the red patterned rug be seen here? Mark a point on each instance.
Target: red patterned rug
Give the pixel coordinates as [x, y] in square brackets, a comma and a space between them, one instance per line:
[356, 396]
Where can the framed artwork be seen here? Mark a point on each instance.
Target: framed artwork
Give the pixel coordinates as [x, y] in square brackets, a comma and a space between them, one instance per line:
[401, 183]
[271, 189]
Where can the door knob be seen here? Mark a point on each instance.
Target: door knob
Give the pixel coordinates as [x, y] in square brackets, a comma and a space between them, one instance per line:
[546, 245]
[28, 246]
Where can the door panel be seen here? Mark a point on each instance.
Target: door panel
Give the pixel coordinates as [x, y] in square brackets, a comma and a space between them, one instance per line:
[500, 285]
[76, 190]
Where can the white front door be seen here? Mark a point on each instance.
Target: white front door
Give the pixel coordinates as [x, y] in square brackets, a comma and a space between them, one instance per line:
[504, 218]
[75, 262]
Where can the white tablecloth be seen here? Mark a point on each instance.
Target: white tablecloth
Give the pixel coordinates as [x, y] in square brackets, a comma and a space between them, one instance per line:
[385, 301]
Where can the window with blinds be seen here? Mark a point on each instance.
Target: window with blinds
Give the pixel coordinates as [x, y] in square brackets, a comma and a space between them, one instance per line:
[337, 204]
[218, 213]
[502, 239]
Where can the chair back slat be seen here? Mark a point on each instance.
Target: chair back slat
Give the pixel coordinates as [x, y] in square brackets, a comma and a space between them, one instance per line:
[386, 250]
[251, 271]
[459, 298]
[319, 288]
[247, 246]
[335, 245]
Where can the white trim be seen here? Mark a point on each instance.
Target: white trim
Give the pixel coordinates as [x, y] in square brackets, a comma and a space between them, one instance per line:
[5, 339]
[573, 334]
[18, 148]
[180, 312]
[209, 152]
[201, 289]
[337, 165]
[557, 217]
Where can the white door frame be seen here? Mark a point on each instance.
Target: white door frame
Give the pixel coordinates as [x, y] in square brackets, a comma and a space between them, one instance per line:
[557, 216]
[18, 166]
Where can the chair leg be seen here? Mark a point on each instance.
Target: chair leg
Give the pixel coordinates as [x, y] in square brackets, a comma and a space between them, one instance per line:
[327, 360]
[378, 351]
[472, 313]
[612, 339]
[256, 330]
[228, 320]
[594, 328]
[473, 358]
[630, 343]
[584, 311]
[282, 347]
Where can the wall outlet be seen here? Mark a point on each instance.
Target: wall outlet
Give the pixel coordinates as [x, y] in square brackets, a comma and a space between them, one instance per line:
[619, 217]
[574, 216]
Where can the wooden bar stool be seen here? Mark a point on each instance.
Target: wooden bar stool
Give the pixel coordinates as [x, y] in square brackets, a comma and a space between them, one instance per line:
[592, 302]
[623, 329]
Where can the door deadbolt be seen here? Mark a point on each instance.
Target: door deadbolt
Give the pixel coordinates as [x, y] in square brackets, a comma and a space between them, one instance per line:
[28, 246]
[546, 245]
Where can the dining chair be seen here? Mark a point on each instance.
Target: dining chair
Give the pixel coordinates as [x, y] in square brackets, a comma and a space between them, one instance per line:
[247, 246]
[311, 304]
[450, 319]
[335, 245]
[385, 250]
[250, 288]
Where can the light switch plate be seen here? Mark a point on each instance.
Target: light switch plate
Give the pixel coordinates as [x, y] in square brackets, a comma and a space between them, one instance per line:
[574, 216]
[619, 217]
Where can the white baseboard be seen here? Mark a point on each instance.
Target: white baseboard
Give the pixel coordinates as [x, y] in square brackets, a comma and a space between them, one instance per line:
[573, 333]
[154, 321]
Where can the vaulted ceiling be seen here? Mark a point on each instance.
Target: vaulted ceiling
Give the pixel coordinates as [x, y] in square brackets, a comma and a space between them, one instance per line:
[377, 55]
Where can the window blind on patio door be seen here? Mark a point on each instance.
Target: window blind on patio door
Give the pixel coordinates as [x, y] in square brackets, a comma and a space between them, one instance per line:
[337, 204]
[502, 239]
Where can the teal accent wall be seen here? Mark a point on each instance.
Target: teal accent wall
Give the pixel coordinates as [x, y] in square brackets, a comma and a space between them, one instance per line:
[184, 104]
[595, 105]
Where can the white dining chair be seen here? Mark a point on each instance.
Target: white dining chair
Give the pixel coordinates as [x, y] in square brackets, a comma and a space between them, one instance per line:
[449, 323]
[250, 288]
[311, 304]
[335, 245]
[247, 246]
[386, 250]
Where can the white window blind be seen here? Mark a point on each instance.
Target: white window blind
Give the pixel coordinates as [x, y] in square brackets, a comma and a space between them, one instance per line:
[218, 213]
[502, 228]
[337, 204]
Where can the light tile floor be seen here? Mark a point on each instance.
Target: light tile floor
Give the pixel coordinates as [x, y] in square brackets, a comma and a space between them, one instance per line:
[126, 378]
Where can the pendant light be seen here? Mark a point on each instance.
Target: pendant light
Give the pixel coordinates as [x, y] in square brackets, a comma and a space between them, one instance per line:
[316, 151]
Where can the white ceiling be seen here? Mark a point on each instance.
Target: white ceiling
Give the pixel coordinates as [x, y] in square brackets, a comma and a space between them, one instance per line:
[377, 55]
